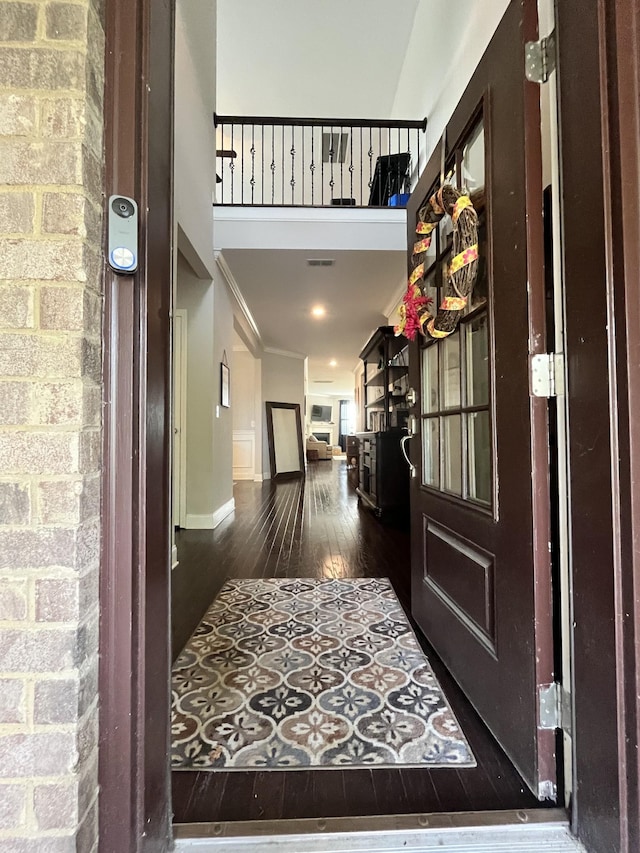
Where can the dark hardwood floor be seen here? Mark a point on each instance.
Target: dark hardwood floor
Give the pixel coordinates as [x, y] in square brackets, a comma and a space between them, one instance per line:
[315, 528]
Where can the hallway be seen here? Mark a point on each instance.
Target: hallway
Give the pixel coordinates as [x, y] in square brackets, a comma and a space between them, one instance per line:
[315, 528]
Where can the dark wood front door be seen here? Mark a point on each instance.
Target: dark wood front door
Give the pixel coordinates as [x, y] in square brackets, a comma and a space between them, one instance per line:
[481, 589]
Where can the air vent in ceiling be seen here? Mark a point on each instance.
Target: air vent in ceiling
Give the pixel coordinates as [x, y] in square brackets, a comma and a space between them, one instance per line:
[323, 381]
[334, 147]
[320, 262]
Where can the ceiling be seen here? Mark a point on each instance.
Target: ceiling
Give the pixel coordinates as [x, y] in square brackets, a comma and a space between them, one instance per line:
[280, 290]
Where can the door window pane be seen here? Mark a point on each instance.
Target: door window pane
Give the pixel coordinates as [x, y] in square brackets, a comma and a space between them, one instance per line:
[473, 161]
[479, 442]
[430, 379]
[477, 353]
[452, 454]
[481, 285]
[430, 452]
[450, 349]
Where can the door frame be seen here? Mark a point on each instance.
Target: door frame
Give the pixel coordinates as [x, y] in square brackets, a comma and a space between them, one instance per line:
[135, 571]
[179, 339]
[598, 54]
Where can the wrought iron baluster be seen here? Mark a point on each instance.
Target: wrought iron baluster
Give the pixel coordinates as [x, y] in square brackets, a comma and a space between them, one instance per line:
[417, 153]
[293, 165]
[312, 167]
[219, 148]
[351, 162]
[409, 153]
[242, 163]
[273, 162]
[322, 166]
[252, 182]
[331, 160]
[231, 164]
[370, 153]
[282, 201]
[361, 167]
[341, 162]
[302, 167]
[262, 164]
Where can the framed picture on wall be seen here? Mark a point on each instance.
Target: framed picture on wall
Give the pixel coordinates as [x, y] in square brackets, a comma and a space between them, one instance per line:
[224, 385]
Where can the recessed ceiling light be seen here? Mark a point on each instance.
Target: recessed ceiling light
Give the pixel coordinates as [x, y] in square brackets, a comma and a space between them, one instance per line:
[318, 311]
[333, 363]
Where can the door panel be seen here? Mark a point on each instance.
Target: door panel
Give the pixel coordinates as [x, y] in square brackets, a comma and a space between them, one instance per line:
[480, 511]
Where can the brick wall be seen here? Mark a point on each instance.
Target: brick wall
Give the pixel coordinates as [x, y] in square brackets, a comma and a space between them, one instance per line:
[51, 89]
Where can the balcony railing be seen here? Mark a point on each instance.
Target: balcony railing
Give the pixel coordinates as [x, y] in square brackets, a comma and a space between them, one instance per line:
[315, 162]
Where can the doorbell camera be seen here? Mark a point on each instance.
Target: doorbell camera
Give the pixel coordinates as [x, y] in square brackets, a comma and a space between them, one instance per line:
[124, 207]
[123, 234]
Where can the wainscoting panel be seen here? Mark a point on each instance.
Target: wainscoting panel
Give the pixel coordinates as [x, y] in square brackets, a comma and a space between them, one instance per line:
[244, 454]
[462, 576]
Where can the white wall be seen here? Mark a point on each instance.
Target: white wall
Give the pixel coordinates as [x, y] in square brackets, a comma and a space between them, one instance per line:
[304, 58]
[196, 296]
[434, 76]
[195, 85]
[282, 382]
[223, 421]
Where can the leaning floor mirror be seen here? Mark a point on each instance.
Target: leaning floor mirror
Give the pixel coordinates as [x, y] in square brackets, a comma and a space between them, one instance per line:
[284, 430]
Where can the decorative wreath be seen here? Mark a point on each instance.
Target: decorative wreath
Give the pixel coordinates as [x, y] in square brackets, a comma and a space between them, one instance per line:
[415, 315]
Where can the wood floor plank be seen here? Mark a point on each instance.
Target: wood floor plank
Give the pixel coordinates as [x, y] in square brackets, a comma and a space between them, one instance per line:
[315, 528]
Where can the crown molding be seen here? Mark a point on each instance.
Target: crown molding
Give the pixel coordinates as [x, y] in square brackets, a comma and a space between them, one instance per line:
[395, 300]
[234, 287]
[284, 352]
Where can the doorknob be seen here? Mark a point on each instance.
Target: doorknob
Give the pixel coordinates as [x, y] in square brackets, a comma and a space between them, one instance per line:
[403, 441]
[411, 397]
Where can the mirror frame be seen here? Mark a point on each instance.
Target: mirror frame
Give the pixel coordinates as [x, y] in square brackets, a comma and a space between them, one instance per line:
[284, 475]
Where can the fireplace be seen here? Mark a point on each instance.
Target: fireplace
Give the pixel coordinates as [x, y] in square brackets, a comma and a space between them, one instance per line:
[323, 436]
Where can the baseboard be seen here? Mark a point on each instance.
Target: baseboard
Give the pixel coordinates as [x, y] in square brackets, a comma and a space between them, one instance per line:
[258, 478]
[174, 556]
[199, 522]
[211, 520]
[220, 514]
[242, 475]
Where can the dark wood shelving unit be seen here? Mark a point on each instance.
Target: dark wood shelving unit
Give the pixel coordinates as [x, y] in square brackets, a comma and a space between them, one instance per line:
[383, 481]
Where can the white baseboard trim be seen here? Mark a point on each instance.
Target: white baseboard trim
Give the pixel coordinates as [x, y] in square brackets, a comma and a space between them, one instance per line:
[258, 478]
[174, 557]
[241, 474]
[220, 514]
[211, 520]
[199, 522]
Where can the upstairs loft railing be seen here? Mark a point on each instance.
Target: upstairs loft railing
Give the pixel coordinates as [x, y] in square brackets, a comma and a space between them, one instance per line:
[267, 161]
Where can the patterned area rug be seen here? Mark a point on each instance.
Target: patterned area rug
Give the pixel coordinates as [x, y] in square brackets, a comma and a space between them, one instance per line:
[309, 673]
